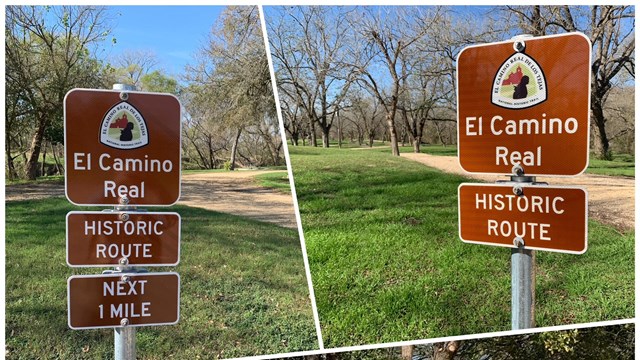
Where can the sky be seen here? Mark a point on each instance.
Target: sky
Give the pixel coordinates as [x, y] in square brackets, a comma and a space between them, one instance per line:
[173, 33]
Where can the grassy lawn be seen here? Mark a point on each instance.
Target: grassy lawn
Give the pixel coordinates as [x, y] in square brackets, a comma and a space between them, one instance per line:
[243, 290]
[54, 179]
[621, 165]
[387, 264]
[275, 180]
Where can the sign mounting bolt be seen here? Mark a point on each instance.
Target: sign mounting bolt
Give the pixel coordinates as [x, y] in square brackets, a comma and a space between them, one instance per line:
[125, 278]
[518, 190]
[124, 322]
[124, 200]
[124, 96]
[124, 216]
[123, 261]
[518, 241]
[517, 170]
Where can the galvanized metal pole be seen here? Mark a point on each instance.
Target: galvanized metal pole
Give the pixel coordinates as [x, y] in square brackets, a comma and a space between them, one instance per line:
[124, 343]
[522, 288]
[124, 338]
[523, 266]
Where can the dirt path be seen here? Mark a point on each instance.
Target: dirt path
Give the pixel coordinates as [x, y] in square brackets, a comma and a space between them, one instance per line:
[236, 193]
[228, 192]
[611, 198]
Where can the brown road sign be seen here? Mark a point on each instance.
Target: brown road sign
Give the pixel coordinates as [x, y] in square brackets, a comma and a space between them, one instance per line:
[144, 299]
[528, 107]
[121, 146]
[545, 217]
[97, 238]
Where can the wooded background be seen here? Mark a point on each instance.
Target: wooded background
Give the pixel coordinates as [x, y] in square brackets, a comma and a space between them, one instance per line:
[229, 115]
[359, 74]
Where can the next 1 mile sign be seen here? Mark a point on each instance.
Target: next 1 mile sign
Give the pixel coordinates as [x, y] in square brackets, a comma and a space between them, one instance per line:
[119, 147]
[144, 299]
[527, 107]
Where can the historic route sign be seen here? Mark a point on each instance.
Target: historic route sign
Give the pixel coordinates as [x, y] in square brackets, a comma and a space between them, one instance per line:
[121, 144]
[545, 217]
[527, 107]
[143, 299]
[96, 238]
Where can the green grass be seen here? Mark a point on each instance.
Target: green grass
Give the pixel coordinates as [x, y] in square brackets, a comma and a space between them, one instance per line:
[54, 179]
[202, 171]
[243, 290]
[387, 264]
[275, 180]
[621, 165]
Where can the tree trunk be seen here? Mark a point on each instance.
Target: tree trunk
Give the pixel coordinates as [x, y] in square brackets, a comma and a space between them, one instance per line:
[314, 139]
[439, 132]
[602, 145]
[59, 168]
[234, 149]
[416, 145]
[407, 352]
[44, 161]
[393, 136]
[34, 149]
[212, 157]
[11, 169]
[445, 350]
[325, 138]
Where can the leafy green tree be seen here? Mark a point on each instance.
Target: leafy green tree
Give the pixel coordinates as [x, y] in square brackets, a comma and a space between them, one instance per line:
[156, 81]
[48, 52]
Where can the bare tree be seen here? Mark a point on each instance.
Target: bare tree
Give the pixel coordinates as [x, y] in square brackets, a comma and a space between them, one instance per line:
[307, 46]
[366, 114]
[611, 30]
[230, 88]
[385, 36]
[133, 65]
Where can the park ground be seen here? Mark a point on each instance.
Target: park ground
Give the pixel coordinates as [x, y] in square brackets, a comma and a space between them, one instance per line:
[387, 264]
[243, 285]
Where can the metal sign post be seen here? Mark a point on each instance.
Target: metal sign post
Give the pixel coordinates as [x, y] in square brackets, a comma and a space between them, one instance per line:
[124, 338]
[523, 269]
[133, 160]
[519, 103]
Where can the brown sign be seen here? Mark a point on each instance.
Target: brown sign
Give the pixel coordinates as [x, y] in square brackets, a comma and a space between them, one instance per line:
[544, 217]
[97, 238]
[98, 301]
[121, 144]
[528, 107]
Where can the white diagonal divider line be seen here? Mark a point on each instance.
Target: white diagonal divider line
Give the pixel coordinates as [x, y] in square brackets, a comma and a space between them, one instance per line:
[290, 174]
